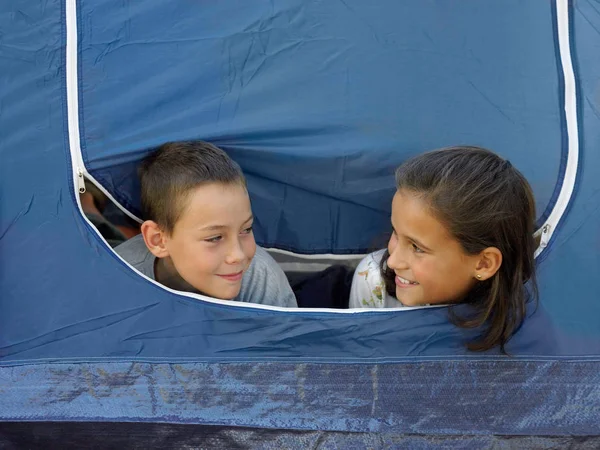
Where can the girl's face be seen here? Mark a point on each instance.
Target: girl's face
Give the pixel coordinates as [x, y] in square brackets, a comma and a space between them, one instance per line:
[431, 266]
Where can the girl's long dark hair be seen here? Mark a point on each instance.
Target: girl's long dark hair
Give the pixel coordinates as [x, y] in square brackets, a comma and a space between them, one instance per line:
[484, 202]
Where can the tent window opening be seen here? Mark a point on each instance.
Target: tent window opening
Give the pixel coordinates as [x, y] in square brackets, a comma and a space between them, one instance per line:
[317, 281]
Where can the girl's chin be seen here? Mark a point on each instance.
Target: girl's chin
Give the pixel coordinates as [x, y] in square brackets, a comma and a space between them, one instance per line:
[405, 300]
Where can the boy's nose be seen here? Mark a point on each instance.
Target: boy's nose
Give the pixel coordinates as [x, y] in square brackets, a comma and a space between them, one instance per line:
[235, 254]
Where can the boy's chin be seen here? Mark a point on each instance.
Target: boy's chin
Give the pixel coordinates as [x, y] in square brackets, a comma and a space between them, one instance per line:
[228, 294]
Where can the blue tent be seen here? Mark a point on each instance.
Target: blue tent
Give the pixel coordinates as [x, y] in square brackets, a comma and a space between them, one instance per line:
[318, 102]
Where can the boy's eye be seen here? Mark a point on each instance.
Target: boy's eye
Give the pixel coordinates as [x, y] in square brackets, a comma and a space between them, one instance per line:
[417, 249]
[214, 239]
[247, 230]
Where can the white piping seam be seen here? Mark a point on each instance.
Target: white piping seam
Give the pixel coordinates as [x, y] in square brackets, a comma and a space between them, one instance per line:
[110, 196]
[546, 230]
[79, 170]
[568, 185]
[72, 97]
[316, 256]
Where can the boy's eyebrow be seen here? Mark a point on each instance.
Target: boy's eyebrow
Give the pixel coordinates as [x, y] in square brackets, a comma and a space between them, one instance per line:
[221, 227]
[213, 228]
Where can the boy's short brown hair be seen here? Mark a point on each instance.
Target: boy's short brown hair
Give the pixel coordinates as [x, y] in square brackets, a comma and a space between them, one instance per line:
[175, 169]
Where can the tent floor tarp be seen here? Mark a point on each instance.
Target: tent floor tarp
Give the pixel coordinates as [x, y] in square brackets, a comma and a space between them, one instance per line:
[120, 435]
[439, 397]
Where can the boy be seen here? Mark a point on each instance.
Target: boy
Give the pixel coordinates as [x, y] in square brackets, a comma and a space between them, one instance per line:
[197, 235]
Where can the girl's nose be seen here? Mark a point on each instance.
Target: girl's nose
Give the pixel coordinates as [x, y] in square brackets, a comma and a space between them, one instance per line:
[396, 260]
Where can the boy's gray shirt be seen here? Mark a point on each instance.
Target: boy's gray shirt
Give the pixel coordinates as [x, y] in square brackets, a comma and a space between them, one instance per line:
[264, 282]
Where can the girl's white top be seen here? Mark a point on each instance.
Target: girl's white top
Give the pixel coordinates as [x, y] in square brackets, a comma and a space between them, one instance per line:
[368, 287]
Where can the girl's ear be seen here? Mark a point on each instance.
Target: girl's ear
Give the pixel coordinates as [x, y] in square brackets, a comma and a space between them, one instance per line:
[488, 264]
[155, 239]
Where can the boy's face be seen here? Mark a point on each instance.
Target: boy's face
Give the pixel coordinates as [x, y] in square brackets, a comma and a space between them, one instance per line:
[212, 244]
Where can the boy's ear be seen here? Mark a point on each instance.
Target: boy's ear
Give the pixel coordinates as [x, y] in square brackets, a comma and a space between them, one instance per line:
[488, 264]
[155, 238]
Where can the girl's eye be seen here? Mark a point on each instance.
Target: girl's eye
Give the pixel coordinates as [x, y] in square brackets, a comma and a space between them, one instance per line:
[214, 239]
[416, 248]
[247, 230]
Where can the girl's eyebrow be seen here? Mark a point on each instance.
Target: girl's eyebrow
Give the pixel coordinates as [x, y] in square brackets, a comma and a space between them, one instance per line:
[416, 241]
[419, 244]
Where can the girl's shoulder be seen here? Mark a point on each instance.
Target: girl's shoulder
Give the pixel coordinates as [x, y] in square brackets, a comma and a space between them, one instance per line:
[371, 263]
[368, 287]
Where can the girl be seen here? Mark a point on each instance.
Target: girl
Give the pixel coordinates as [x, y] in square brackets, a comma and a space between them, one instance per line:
[463, 224]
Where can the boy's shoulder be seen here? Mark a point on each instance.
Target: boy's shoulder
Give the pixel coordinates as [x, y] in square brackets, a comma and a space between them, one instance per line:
[131, 248]
[263, 258]
[263, 264]
[135, 252]
[266, 283]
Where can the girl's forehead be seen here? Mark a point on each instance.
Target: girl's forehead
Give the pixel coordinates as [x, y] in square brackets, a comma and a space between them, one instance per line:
[412, 216]
[408, 206]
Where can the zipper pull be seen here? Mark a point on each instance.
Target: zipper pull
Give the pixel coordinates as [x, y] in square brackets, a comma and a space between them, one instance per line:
[80, 181]
[545, 238]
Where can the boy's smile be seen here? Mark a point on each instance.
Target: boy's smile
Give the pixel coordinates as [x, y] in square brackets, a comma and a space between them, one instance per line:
[234, 277]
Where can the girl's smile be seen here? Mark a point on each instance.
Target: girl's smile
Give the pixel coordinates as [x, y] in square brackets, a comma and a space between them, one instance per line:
[404, 283]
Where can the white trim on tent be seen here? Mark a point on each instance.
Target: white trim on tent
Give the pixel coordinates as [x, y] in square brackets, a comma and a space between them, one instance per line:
[568, 185]
[98, 185]
[80, 173]
[73, 98]
[319, 256]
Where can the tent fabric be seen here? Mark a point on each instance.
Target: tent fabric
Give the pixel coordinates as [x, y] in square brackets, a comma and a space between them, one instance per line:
[392, 71]
[318, 101]
[417, 397]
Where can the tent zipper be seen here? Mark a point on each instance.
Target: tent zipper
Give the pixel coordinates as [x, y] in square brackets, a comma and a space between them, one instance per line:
[570, 110]
[545, 237]
[73, 95]
[80, 180]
